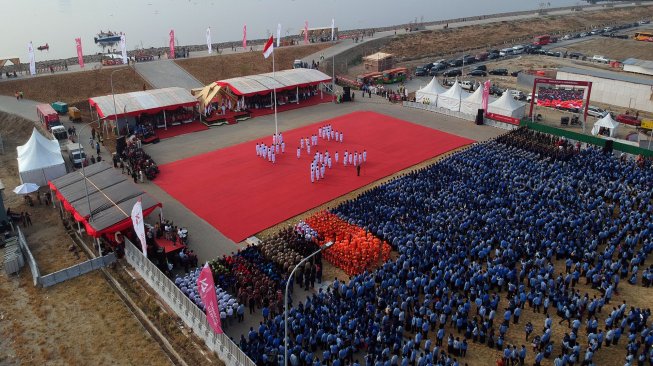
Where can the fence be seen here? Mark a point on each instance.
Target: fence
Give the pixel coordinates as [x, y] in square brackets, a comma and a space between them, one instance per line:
[192, 316]
[432, 108]
[77, 270]
[33, 266]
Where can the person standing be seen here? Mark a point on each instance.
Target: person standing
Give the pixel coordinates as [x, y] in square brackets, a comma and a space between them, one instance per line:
[299, 152]
[97, 148]
[335, 157]
[274, 157]
[283, 147]
[358, 170]
[364, 156]
[312, 174]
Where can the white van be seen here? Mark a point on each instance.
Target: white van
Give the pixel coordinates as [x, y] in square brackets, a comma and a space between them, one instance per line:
[60, 134]
[518, 50]
[506, 52]
[76, 154]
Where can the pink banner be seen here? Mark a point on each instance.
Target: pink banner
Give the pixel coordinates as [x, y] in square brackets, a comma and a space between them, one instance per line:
[172, 44]
[244, 36]
[206, 287]
[306, 32]
[486, 94]
[80, 56]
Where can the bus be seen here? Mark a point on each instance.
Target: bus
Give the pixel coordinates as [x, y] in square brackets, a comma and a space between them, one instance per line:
[371, 78]
[644, 36]
[542, 40]
[395, 75]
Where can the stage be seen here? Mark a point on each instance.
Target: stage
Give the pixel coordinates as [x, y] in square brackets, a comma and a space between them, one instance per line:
[241, 194]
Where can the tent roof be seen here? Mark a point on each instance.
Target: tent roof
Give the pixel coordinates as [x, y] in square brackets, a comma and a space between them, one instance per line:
[147, 101]
[507, 102]
[433, 87]
[280, 80]
[111, 196]
[607, 122]
[37, 138]
[476, 96]
[377, 56]
[454, 92]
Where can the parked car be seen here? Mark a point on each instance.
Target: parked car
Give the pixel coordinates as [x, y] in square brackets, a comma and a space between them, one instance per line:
[620, 36]
[530, 97]
[644, 21]
[584, 34]
[452, 72]
[553, 53]
[427, 67]
[495, 90]
[518, 94]
[567, 37]
[576, 55]
[515, 73]
[628, 119]
[468, 85]
[481, 67]
[507, 52]
[469, 59]
[482, 56]
[596, 112]
[503, 72]
[419, 71]
[607, 29]
[600, 58]
[518, 49]
[478, 72]
[436, 69]
[493, 56]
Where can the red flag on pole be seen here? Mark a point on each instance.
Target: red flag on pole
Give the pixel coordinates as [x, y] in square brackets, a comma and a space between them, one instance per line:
[244, 36]
[306, 32]
[172, 44]
[269, 47]
[206, 288]
[486, 94]
[80, 56]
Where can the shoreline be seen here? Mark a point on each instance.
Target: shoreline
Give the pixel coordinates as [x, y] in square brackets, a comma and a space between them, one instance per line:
[63, 63]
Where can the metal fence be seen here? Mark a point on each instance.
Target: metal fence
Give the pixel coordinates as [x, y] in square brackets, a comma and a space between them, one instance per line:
[432, 108]
[33, 266]
[192, 316]
[77, 270]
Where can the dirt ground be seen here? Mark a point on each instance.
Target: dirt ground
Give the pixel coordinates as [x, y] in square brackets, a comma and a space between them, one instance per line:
[612, 48]
[441, 43]
[210, 69]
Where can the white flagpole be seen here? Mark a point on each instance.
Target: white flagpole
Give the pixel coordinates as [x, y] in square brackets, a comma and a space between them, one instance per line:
[274, 91]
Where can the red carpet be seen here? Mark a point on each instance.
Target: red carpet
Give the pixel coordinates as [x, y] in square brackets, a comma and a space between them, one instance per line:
[168, 246]
[181, 129]
[240, 194]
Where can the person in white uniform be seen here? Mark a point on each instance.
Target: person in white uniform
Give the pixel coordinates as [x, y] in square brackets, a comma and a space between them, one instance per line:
[355, 158]
[322, 169]
[329, 162]
[273, 157]
[351, 159]
[312, 174]
[335, 156]
[301, 143]
[308, 149]
[299, 152]
[258, 151]
[364, 156]
[274, 139]
[276, 148]
[269, 154]
[283, 147]
[341, 136]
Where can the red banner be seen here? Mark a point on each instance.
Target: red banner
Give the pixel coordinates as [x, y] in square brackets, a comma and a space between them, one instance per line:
[244, 37]
[206, 288]
[306, 32]
[486, 94]
[502, 118]
[80, 56]
[172, 44]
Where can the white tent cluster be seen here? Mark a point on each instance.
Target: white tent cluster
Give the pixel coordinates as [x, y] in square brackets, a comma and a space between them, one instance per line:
[605, 122]
[40, 160]
[456, 99]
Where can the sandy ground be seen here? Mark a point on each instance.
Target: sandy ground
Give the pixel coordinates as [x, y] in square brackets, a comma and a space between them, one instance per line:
[212, 68]
[442, 43]
[612, 48]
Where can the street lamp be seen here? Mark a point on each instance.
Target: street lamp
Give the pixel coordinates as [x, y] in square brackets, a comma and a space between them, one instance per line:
[285, 299]
[115, 111]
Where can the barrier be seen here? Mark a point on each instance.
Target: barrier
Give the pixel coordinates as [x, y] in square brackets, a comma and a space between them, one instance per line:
[33, 266]
[432, 108]
[192, 316]
[77, 270]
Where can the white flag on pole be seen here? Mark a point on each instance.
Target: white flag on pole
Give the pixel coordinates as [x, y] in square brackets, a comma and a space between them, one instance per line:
[123, 47]
[208, 40]
[279, 35]
[32, 61]
[333, 28]
[139, 227]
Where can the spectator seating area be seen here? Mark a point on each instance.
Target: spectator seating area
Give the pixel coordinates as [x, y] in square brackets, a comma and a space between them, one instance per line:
[481, 228]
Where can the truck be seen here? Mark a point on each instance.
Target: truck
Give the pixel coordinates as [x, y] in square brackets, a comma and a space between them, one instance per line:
[48, 116]
[76, 154]
[60, 134]
[542, 40]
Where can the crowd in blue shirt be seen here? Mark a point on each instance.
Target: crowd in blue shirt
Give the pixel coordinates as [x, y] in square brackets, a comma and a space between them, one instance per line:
[483, 225]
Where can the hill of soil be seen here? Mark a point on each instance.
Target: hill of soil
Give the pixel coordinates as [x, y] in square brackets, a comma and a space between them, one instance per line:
[210, 69]
[466, 39]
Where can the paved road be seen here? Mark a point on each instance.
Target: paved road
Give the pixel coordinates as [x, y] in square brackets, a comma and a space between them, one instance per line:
[165, 74]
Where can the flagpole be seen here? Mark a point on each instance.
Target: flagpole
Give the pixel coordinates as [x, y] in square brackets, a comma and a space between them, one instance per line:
[274, 91]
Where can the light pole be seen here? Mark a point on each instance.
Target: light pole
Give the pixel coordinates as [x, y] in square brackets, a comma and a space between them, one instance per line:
[285, 299]
[115, 111]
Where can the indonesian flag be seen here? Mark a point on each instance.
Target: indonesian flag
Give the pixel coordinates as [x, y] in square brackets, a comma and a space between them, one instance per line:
[139, 227]
[269, 47]
[206, 288]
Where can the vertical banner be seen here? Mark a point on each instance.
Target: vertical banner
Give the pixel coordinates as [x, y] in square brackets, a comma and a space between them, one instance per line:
[80, 56]
[139, 227]
[306, 32]
[123, 47]
[244, 36]
[172, 44]
[32, 61]
[208, 40]
[279, 35]
[333, 28]
[206, 288]
[486, 95]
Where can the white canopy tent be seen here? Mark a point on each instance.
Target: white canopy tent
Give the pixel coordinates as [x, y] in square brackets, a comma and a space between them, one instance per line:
[605, 122]
[451, 98]
[38, 161]
[430, 92]
[474, 102]
[507, 106]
